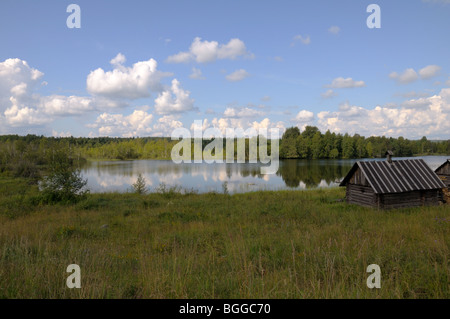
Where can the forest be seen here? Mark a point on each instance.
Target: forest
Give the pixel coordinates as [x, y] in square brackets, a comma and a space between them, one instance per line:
[312, 144]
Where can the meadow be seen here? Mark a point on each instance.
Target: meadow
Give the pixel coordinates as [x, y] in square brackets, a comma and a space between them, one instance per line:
[283, 244]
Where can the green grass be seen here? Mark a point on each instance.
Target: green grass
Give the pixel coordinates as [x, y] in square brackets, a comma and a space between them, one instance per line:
[284, 244]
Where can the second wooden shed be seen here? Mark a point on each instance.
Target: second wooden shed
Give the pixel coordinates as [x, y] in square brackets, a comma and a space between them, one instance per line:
[443, 172]
[392, 184]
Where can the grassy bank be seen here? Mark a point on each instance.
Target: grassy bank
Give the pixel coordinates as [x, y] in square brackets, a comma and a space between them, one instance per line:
[286, 244]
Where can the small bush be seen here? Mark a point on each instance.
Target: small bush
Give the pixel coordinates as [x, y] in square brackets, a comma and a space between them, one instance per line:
[140, 185]
[63, 186]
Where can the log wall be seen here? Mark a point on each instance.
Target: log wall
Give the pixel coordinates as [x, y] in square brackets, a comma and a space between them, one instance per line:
[411, 199]
[361, 195]
[365, 196]
[445, 179]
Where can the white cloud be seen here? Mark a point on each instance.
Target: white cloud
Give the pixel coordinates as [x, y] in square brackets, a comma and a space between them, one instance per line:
[334, 29]
[65, 105]
[16, 116]
[210, 51]
[166, 125]
[17, 79]
[126, 82]
[304, 116]
[412, 119]
[408, 76]
[240, 123]
[413, 94]
[429, 71]
[181, 57]
[118, 60]
[61, 134]
[339, 83]
[329, 94]
[174, 100]
[421, 103]
[196, 74]
[237, 75]
[135, 124]
[303, 39]
[232, 112]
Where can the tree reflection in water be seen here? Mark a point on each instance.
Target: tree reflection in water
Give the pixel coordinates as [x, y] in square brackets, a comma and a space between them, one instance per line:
[119, 175]
[312, 172]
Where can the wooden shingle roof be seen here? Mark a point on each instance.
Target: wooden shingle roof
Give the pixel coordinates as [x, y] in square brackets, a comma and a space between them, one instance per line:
[396, 177]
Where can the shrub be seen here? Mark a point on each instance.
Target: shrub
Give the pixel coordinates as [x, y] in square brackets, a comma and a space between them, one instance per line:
[140, 186]
[64, 182]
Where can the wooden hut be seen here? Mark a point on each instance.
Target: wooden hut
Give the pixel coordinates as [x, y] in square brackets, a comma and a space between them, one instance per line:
[443, 172]
[392, 184]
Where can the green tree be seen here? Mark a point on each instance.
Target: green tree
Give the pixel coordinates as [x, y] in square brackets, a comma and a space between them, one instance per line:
[369, 149]
[348, 147]
[140, 185]
[288, 148]
[64, 182]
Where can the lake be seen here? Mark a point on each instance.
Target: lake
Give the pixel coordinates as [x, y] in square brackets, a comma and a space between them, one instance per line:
[118, 176]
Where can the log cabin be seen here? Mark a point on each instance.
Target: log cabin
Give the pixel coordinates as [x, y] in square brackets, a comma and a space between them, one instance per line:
[443, 172]
[391, 184]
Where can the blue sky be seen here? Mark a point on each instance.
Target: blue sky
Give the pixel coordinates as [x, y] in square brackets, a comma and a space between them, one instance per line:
[260, 64]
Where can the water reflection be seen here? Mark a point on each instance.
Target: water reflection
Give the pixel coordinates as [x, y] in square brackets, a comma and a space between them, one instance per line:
[118, 176]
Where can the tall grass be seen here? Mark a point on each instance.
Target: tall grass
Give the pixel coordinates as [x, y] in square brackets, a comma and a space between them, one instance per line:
[284, 244]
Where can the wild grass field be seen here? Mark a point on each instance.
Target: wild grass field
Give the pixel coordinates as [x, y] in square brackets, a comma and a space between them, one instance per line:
[284, 244]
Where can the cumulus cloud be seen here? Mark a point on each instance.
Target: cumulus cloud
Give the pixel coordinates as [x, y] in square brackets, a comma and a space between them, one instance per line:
[135, 124]
[234, 112]
[410, 75]
[413, 119]
[123, 82]
[21, 106]
[17, 79]
[340, 83]
[174, 100]
[413, 94]
[241, 123]
[300, 38]
[61, 134]
[237, 75]
[329, 94]
[166, 125]
[196, 74]
[304, 116]
[429, 71]
[334, 29]
[203, 51]
[17, 116]
[119, 60]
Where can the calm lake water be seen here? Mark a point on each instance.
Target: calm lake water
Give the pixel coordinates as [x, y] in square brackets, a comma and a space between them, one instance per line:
[118, 176]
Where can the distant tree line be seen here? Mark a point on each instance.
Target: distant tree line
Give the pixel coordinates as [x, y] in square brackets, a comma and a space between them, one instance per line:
[312, 144]
[26, 155]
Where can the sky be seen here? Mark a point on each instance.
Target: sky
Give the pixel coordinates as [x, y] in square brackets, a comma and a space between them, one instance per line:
[145, 68]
